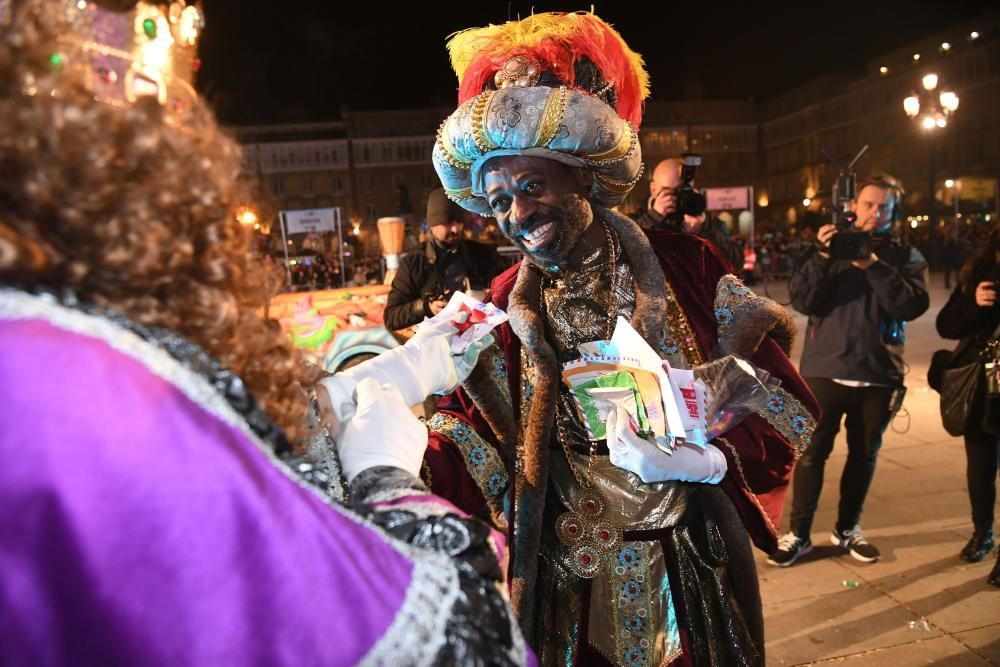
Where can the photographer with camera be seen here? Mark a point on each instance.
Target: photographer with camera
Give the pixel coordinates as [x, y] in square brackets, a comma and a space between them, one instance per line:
[859, 287]
[426, 280]
[675, 205]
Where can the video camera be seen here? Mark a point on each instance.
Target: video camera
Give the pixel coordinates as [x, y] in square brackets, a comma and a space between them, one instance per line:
[689, 201]
[848, 243]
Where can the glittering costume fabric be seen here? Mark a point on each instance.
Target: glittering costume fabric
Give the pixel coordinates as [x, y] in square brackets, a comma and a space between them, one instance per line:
[682, 588]
[626, 614]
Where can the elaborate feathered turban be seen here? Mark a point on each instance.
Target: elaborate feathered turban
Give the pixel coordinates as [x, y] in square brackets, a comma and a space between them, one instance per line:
[560, 86]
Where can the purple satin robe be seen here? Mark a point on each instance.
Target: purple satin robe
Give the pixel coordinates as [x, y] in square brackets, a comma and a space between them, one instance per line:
[139, 527]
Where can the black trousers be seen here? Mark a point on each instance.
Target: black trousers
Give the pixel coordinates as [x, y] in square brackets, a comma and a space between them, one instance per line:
[867, 416]
[982, 453]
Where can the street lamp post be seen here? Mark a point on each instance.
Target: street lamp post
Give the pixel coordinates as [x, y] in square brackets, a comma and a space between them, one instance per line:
[932, 107]
[955, 187]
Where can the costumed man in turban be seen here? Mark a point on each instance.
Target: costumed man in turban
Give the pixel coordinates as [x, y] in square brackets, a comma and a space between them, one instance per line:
[623, 556]
[151, 509]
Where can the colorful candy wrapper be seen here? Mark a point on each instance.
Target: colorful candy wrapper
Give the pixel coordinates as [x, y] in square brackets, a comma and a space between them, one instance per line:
[473, 319]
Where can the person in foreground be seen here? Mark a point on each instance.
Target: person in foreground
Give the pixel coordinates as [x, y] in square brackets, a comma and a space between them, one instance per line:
[149, 503]
[972, 315]
[545, 140]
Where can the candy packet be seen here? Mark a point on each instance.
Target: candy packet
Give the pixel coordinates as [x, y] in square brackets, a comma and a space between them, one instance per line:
[473, 319]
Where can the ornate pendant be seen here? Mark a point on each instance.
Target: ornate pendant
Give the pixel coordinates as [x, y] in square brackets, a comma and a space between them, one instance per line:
[591, 538]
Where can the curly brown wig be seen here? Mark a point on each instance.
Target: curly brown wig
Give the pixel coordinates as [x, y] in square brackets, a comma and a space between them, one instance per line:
[133, 210]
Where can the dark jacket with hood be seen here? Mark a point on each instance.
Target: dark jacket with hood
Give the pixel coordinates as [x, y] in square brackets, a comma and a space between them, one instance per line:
[857, 318]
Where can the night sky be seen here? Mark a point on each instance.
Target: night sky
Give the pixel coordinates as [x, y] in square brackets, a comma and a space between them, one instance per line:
[305, 60]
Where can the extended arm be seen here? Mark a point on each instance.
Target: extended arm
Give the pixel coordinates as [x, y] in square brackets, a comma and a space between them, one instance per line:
[902, 291]
[961, 317]
[405, 305]
[809, 287]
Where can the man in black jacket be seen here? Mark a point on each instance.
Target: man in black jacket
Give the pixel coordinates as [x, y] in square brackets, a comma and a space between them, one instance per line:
[426, 279]
[662, 205]
[853, 362]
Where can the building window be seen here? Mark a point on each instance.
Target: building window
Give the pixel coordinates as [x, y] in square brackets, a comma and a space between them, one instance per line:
[397, 182]
[307, 185]
[428, 179]
[368, 182]
[278, 186]
[336, 185]
[372, 212]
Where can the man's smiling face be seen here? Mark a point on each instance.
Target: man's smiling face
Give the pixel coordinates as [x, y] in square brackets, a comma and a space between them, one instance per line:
[540, 205]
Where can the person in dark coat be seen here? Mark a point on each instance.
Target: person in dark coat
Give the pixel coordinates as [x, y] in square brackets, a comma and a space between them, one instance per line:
[972, 315]
[956, 252]
[426, 280]
[853, 362]
[663, 203]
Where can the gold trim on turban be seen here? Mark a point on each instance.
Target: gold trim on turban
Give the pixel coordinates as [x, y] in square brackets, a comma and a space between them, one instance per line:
[569, 126]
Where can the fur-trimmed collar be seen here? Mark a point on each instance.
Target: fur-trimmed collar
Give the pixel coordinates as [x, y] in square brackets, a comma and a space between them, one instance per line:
[524, 311]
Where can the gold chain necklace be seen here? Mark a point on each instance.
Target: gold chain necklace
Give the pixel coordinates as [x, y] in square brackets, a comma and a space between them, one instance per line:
[592, 539]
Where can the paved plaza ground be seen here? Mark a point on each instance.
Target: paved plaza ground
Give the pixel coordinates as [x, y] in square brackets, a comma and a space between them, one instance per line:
[920, 604]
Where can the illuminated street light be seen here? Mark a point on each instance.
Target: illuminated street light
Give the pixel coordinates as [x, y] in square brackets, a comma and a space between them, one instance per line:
[931, 109]
[973, 35]
[247, 217]
[807, 201]
[949, 183]
[916, 57]
[945, 46]
[883, 70]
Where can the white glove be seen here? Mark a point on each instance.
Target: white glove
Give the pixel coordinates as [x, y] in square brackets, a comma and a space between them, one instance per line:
[383, 432]
[421, 367]
[687, 463]
[463, 363]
